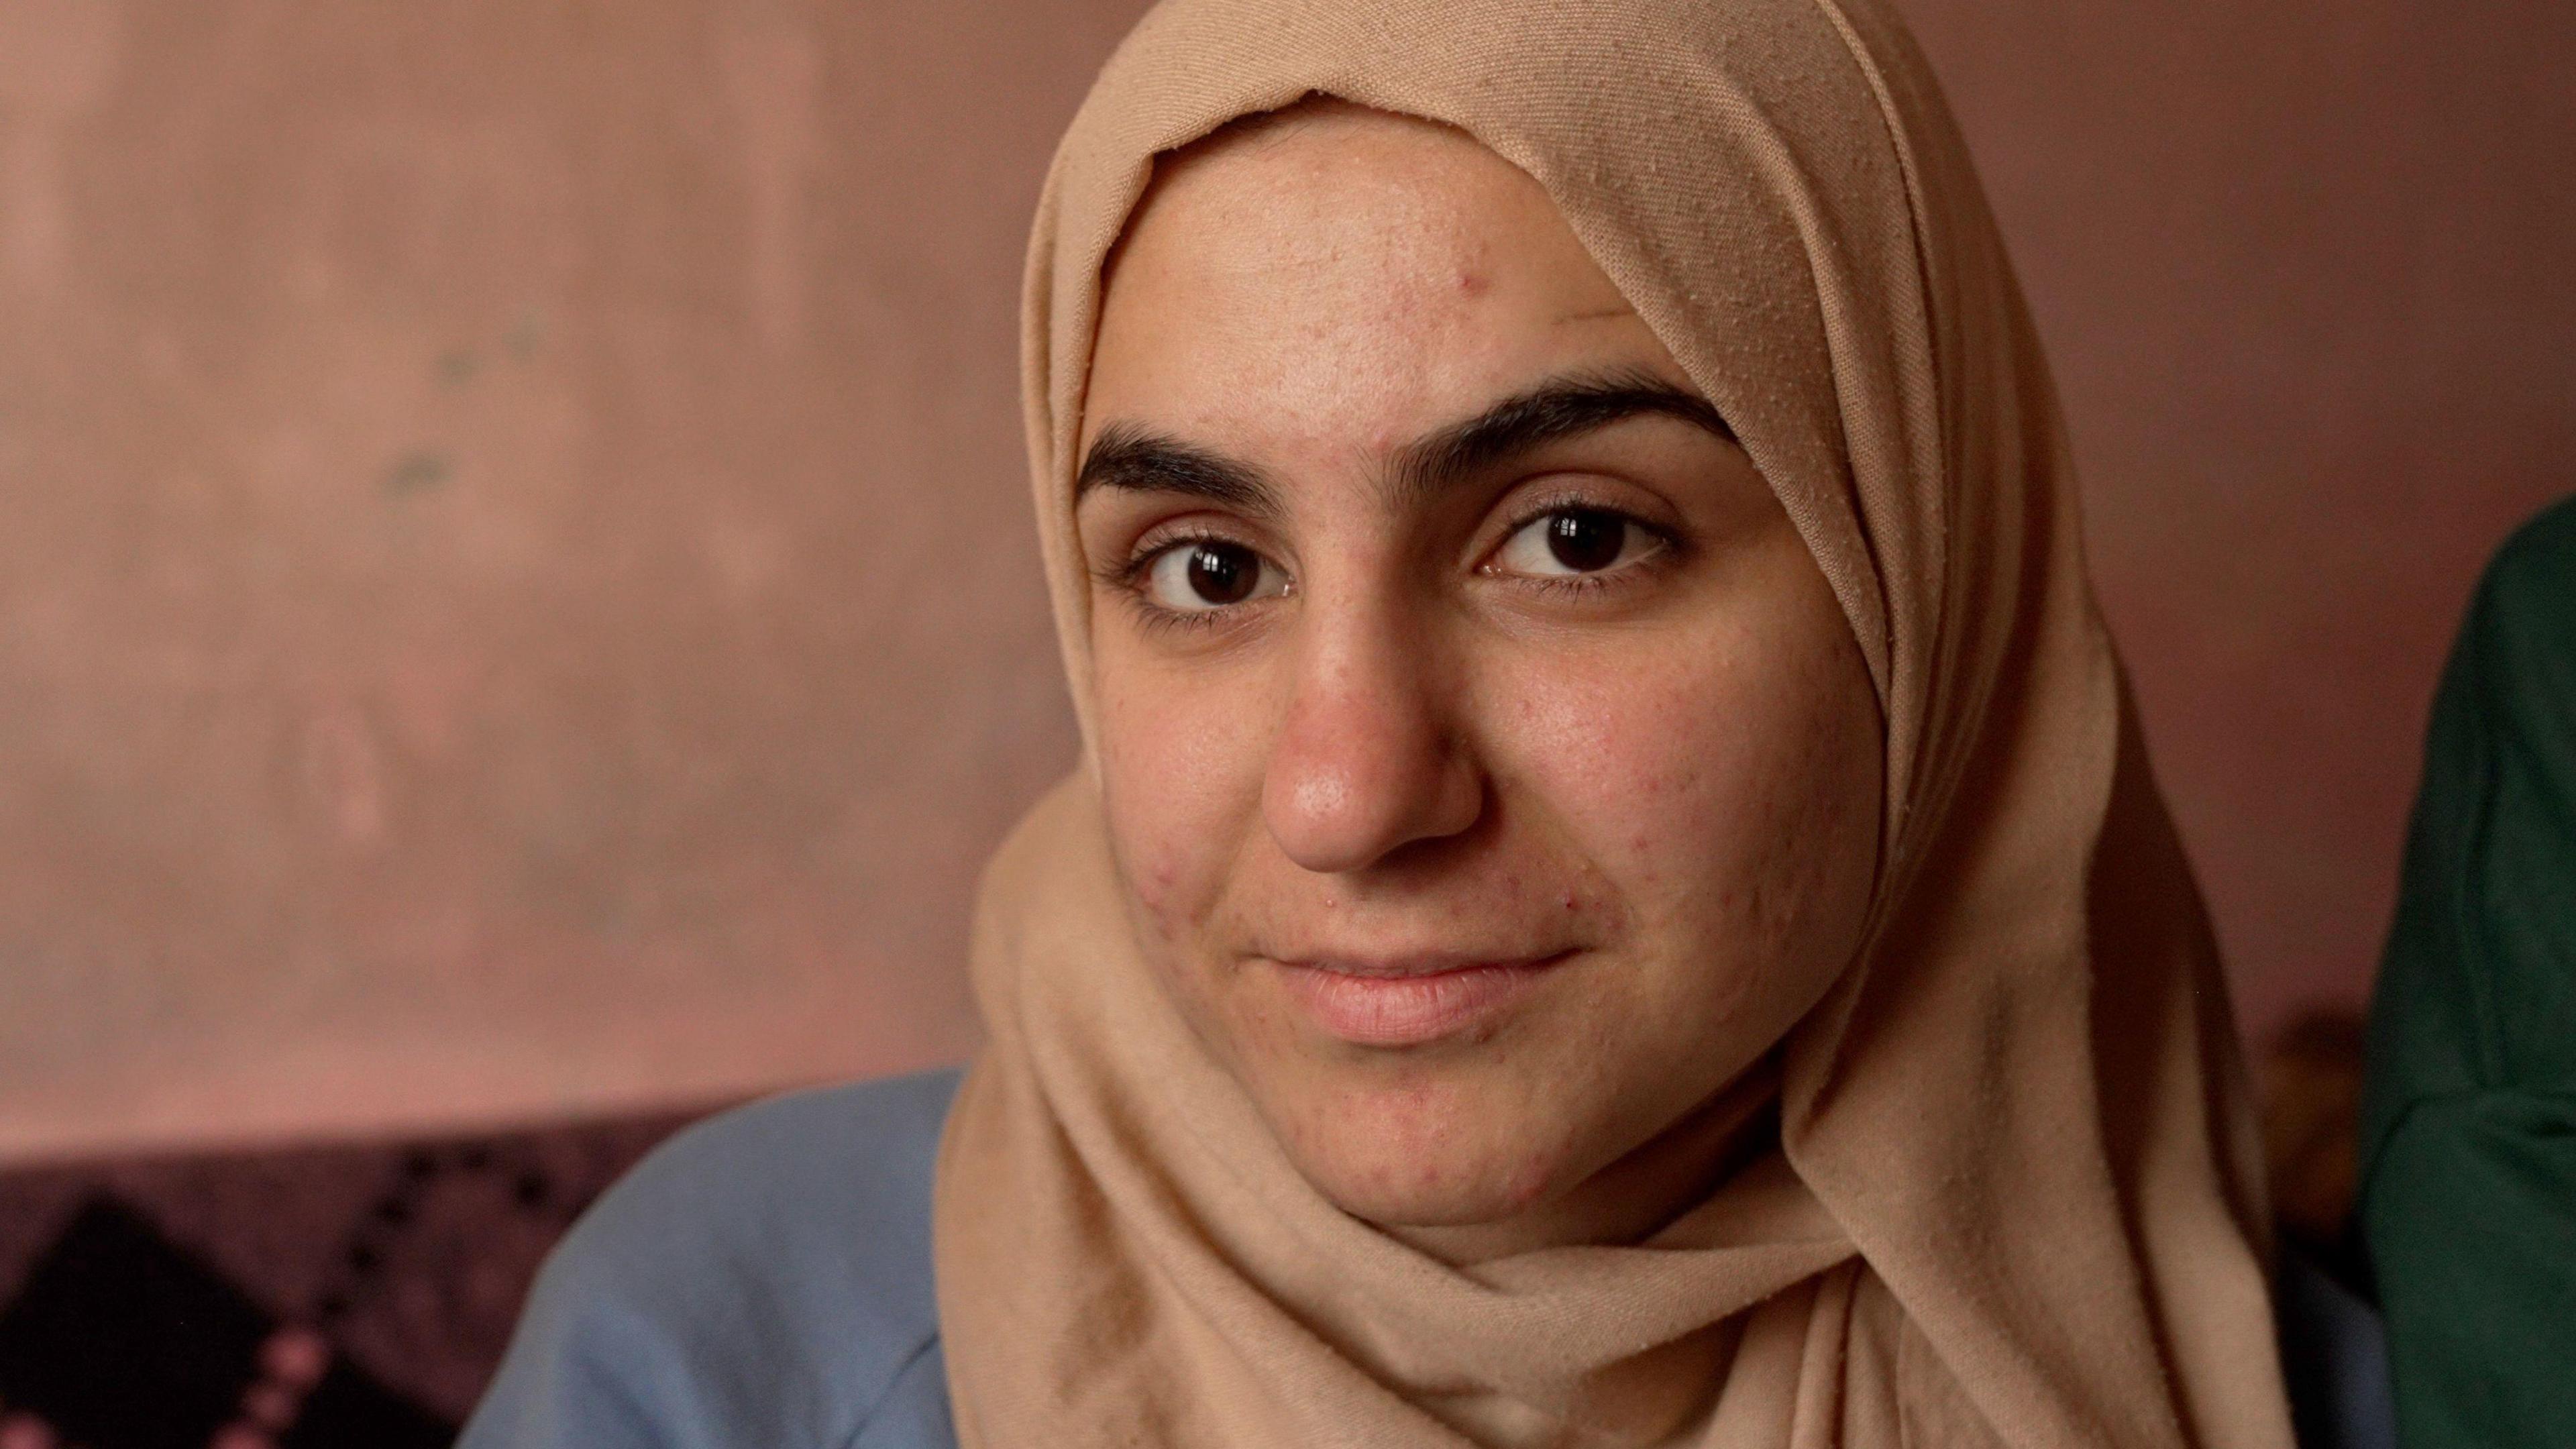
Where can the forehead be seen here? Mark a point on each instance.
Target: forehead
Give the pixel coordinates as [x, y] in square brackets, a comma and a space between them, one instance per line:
[1345, 278]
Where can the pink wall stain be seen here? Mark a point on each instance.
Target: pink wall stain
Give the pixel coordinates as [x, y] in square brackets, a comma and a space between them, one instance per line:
[772, 72]
[58, 59]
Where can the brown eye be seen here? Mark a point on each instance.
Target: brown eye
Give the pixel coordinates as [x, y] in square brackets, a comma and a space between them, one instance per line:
[1586, 540]
[1208, 573]
[1574, 541]
[1221, 573]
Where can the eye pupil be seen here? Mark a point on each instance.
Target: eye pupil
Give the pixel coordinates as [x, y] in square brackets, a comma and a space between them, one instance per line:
[1223, 573]
[1586, 540]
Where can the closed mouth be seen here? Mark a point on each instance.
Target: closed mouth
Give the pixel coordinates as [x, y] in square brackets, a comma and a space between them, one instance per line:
[1409, 1002]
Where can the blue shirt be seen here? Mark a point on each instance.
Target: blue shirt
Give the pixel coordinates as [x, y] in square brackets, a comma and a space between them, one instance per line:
[763, 1280]
[760, 1280]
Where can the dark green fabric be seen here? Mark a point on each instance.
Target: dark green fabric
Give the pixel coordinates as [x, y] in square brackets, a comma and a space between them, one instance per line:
[2468, 1197]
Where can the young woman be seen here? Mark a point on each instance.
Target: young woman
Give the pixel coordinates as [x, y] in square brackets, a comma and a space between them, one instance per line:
[1613, 896]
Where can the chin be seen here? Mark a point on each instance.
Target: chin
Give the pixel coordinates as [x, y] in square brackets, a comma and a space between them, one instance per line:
[1417, 1148]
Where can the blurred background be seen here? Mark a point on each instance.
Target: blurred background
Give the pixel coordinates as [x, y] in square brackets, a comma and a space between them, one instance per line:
[516, 597]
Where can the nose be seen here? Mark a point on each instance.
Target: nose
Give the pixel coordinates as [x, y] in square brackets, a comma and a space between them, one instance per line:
[1367, 761]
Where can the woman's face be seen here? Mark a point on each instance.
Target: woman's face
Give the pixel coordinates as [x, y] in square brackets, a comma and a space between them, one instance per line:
[1492, 773]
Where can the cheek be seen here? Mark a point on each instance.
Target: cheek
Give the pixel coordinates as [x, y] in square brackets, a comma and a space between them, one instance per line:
[1180, 776]
[1728, 787]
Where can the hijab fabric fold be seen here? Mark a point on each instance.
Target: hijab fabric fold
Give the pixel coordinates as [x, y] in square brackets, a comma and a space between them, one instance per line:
[2006, 1191]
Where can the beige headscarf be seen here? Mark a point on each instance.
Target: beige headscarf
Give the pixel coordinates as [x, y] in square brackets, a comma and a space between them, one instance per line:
[2014, 1199]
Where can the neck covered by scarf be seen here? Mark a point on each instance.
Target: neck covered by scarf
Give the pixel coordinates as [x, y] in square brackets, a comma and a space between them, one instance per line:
[2006, 1192]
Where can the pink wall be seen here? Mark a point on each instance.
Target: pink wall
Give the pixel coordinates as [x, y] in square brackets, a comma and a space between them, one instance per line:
[516, 596]
[519, 596]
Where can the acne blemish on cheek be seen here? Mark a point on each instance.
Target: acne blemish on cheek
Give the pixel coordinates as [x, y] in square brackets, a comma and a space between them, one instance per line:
[1155, 887]
[1474, 284]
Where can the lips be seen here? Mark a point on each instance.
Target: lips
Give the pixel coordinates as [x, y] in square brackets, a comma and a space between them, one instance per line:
[1410, 1004]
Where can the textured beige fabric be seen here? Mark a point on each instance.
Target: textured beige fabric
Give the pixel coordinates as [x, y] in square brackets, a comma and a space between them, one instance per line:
[2014, 1199]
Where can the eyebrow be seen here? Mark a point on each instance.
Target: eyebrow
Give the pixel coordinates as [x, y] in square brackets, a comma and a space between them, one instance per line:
[1553, 411]
[1128, 456]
